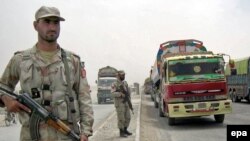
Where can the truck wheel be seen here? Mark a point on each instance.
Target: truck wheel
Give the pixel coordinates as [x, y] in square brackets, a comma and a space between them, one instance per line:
[156, 104]
[171, 121]
[230, 95]
[152, 97]
[99, 100]
[235, 98]
[161, 114]
[219, 118]
[7, 120]
[248, 98]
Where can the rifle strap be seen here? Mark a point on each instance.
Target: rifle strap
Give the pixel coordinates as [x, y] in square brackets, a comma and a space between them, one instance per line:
[71, 97]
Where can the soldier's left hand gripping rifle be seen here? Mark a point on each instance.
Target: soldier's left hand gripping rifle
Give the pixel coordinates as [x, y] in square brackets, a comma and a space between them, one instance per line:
[127, 98]
[39, 113]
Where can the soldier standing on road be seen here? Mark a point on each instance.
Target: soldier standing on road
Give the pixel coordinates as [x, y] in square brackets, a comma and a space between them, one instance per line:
[122, 108]
[44, 74]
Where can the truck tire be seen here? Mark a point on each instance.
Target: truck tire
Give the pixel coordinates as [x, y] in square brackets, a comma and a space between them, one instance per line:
[161, 114]
[248, 97]
[7, 119]
[99, 101]
[219, 118]
[152, 97]
[156, 104]
[171, 121]
[230, 93]
[235, 98]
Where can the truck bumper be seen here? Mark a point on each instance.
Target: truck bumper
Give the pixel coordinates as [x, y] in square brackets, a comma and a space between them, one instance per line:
[200, 108]
[105, 96]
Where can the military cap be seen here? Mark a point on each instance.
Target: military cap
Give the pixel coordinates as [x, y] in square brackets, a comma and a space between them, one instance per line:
[45, 11]
[121, 72]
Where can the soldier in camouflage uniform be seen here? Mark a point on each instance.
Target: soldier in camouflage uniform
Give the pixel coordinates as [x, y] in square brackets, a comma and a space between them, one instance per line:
[122, 108]
[41, 68]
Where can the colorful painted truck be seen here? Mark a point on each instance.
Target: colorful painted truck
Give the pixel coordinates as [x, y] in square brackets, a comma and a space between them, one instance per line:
[106, 76]
[238, 79]
[191, 81]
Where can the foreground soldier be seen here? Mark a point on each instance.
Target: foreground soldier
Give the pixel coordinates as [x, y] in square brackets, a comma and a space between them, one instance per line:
[122, 107]
[49, 80]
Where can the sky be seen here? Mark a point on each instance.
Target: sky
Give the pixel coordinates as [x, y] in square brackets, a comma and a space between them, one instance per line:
[126, 34]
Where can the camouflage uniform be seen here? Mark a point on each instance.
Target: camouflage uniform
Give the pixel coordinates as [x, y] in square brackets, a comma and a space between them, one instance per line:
[122, 109]
[33, 71]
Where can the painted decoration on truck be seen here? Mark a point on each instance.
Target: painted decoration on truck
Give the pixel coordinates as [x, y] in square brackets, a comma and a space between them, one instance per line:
[197, 69]
[179, 46]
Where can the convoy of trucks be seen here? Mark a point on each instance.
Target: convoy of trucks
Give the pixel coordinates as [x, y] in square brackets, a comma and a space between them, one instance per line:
[106, 76]
[189, 81]
[238, 79]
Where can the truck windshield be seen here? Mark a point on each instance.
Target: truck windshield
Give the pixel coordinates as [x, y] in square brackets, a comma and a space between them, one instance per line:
[106, 81]
[196, 69]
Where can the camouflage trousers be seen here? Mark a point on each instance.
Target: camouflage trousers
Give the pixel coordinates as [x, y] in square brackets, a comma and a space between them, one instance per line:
[123, 115]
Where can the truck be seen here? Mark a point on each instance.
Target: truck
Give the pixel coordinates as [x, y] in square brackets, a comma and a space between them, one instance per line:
[106, 76]
[191, 81]
[148, 86]
[238, 79]
[155, 78]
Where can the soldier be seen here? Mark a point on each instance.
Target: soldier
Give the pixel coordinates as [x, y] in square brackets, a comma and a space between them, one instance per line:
[50, 75]
[122, 107]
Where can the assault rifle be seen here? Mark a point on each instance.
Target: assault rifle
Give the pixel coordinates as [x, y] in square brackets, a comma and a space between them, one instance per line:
[39, 113]
[127, 98]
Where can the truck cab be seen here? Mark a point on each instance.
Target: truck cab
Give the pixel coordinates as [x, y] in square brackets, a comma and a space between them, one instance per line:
[192, 83]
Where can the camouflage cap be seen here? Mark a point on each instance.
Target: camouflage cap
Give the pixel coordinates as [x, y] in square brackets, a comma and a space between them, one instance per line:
[44, 11]
[121, 72]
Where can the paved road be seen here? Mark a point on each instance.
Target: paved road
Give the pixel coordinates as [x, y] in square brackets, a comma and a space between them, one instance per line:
[101, 111]
[194, 129]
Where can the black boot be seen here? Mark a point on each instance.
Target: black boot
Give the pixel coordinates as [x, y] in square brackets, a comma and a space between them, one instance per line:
[122, 133]
[126, 131]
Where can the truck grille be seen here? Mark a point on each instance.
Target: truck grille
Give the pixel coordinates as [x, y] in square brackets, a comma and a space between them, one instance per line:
[199, 98]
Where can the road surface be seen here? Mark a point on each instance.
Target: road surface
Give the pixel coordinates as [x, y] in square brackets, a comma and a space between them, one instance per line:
[155, 128]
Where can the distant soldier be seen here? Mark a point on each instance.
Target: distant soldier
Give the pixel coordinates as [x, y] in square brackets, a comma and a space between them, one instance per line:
[122, 107]
[54, 78]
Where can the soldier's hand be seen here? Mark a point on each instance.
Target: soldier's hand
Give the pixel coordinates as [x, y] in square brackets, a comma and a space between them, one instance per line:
[122, 95]
[13, 105]
[84, 138]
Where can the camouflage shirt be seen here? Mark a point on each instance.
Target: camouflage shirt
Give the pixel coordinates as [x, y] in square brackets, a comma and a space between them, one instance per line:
[116, 92]
[30, 68]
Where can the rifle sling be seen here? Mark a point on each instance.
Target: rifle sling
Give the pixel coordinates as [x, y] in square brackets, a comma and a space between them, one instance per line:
[71, 98]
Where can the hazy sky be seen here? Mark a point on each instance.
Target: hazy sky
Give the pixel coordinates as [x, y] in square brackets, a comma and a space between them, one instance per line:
[126, 33]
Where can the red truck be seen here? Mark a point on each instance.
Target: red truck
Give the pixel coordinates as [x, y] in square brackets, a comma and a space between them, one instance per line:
[191, 81]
